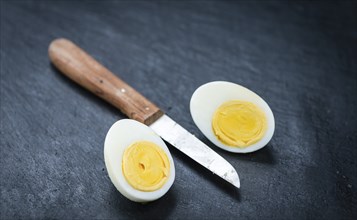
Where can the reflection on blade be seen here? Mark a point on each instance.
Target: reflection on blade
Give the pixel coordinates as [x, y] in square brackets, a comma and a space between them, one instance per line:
[176, 135]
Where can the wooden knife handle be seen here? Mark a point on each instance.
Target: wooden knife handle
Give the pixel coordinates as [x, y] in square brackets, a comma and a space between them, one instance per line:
[86, 71]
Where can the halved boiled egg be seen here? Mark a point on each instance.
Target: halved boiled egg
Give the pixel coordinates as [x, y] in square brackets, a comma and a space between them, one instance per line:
[138, 162]
[232, 117]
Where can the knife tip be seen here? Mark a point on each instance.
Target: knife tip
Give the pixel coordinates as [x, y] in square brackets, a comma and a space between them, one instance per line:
[234, 179]
[236, 184]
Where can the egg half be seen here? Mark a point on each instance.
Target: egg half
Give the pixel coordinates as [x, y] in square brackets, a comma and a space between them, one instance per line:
[138, 162]
[232, 117]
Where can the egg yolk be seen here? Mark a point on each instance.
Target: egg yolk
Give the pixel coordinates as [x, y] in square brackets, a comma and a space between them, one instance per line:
[239, 123]
[145, 166]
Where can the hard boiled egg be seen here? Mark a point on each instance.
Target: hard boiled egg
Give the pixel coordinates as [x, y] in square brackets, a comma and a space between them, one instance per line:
[232, 117]
[138, 162]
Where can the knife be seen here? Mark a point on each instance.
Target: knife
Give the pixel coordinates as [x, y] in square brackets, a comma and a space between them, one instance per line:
[76, 64]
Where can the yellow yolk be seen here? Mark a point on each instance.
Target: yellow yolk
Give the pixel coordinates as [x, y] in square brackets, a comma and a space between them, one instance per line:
[239, 123]
[145, 166]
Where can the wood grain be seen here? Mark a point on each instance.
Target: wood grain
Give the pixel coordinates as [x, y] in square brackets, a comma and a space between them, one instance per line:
[86, 71]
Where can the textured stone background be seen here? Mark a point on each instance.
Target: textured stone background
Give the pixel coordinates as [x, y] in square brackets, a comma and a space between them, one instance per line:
[300, 57]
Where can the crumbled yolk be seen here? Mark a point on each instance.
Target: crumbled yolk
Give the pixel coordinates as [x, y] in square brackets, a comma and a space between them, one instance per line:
[239, 123]
[145, 166]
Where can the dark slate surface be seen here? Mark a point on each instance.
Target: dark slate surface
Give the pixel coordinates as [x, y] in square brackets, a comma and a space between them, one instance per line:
[300, 57]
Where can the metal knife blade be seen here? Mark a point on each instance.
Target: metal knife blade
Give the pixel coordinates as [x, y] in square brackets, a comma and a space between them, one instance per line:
[180, 138]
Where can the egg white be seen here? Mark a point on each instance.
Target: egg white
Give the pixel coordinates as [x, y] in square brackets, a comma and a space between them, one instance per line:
[120, 136]
[208, 97]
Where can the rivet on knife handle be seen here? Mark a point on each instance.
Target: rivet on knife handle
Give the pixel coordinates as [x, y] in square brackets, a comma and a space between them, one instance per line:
[86, 71]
